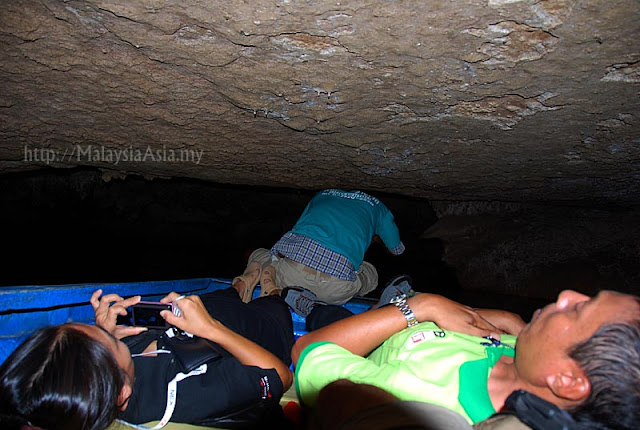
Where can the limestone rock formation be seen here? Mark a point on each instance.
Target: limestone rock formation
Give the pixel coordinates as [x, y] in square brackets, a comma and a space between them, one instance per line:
[537, 251]
[512, 100]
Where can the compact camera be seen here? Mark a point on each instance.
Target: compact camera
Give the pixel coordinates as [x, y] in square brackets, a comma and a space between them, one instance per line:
[147, 314]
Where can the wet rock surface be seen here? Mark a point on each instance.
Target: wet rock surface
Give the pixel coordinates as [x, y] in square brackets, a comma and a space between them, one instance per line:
[537, 251]
[496, 100]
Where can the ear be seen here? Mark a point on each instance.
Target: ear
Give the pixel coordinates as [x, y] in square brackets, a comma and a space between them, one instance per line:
[123, 397]
[570, 384]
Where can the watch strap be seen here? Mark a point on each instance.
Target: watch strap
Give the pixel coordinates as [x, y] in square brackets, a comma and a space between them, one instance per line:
[401, 303]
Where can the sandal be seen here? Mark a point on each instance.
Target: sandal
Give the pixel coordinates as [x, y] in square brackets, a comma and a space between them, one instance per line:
[250, 279]
[267, 282]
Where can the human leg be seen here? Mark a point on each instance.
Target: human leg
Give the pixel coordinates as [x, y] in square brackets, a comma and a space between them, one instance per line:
[260, 255]
[291, 273]
[267, 282]
[259, 260]
[317, 313]
[367, 279]
[347, 405]
[230, 293]
[329, 289]
[335, 291]
[322, 316]
[246, 283]
[273, 326]
[268, 278]
[265, 321]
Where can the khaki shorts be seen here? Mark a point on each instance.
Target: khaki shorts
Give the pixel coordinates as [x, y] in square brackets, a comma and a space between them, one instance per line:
[329, 289]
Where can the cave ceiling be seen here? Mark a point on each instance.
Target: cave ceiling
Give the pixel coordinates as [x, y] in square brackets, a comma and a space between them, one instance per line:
[507, 100]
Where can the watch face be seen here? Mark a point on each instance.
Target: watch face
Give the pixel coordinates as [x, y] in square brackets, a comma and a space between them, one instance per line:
[398, 298]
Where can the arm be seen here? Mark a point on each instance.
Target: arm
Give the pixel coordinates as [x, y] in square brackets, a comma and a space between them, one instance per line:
[391, 251]
[196, 320]
[362, 333]
[507, 322]
[388, 232]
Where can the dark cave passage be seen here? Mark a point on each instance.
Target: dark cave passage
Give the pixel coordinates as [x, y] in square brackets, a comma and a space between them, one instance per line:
[72, 226]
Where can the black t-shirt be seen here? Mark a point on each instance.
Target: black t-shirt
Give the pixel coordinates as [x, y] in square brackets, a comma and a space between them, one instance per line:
[225, 386]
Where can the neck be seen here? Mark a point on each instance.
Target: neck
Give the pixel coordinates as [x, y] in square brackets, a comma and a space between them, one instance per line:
[503, 380]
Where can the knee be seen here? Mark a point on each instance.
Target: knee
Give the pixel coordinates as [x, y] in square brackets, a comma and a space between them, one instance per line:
[260, 255]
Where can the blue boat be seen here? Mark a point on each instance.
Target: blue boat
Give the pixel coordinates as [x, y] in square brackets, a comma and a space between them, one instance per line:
[24, 309]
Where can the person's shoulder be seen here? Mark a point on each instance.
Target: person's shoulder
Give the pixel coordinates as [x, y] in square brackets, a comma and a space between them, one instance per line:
[354, 196]
[315, 345]
[322, 351]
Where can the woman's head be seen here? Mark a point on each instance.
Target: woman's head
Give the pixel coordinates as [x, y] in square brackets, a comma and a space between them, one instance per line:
[64, 377]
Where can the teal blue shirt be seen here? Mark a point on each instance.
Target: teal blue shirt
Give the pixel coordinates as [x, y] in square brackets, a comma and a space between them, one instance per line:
[347, 221]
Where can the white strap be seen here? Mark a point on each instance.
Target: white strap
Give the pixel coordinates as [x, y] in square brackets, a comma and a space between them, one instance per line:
[172, 395]
[157, 351]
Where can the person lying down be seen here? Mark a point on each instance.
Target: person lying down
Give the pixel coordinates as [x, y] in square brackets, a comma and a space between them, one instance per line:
[580, 353]
[83, 377]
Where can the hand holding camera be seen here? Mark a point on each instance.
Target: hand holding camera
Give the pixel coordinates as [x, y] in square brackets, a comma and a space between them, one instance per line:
[190, 316]
[109, 308]
[148, 314]
[193, 316]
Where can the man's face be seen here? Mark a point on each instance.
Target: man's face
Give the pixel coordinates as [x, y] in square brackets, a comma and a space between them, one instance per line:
[544, 343]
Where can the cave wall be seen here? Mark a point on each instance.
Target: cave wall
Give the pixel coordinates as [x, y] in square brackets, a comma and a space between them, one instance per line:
[510, 100]
[536, 251]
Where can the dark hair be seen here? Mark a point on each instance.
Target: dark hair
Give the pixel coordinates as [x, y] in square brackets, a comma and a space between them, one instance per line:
[60, 378]
[611, 362]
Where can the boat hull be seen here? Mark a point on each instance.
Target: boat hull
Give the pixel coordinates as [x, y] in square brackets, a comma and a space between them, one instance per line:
[24, 309]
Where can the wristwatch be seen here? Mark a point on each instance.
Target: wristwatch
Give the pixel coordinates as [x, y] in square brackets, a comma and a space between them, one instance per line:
[401, 302]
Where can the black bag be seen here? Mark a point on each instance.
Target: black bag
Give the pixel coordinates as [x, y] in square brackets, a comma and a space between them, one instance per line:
[538, 413]
[191, 352]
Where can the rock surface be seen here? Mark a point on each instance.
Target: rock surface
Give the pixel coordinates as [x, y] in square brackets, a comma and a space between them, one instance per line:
[537, 251]
[469, 105]
[511, 100]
